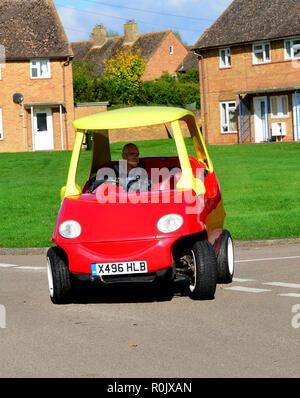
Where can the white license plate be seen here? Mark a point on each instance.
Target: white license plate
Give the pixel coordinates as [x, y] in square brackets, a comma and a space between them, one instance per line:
[119, 268]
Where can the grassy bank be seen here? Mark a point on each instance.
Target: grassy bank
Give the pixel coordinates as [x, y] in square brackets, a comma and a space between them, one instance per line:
[260, 186]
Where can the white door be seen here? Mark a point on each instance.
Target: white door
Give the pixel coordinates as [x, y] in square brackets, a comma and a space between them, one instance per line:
[260, 119]
[296, 116]
[42, 130]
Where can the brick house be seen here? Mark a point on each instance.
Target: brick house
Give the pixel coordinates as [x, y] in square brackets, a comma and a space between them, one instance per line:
[163, 50]
[249, 63]
[36, 85]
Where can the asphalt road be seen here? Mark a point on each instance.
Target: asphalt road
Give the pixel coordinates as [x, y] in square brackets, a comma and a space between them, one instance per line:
[251, 329]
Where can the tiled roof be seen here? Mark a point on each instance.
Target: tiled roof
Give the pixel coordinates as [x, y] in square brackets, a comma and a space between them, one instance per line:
[32, 29]
[81, 48]
[147, 42]
[190, 61]
[253, 20]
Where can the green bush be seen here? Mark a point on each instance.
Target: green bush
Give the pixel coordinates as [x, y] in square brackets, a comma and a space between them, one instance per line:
[168, 90]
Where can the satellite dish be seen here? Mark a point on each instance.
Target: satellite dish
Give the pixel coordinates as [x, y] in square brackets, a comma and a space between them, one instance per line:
[17, 98]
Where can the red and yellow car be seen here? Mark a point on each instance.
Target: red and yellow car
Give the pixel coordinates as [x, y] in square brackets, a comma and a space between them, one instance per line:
[171, 231]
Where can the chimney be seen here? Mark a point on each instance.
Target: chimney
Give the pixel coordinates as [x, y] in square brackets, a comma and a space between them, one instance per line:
[99, 35]
[130, 32]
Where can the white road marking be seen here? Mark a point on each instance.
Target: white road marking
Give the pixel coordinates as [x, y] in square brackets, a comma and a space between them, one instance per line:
[242, 280]
[290, 294]
[7, 265]
[31, 268]
[265, 259]
[22, 267]
[283, 284]
[247, 289]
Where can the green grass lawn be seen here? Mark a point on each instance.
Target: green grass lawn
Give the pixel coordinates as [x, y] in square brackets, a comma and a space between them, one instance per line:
[260, 186]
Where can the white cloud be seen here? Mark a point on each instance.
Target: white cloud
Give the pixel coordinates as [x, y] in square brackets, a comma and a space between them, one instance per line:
[79, 24]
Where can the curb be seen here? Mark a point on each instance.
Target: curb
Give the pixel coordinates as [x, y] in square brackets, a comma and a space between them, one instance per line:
[241, 243]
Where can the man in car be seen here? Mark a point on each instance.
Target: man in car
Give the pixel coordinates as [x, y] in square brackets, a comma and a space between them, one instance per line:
[129, 173]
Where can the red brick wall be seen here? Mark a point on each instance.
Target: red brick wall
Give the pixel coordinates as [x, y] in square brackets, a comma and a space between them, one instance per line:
[17, 130]
[162, 60]
[88, 109]
[221, 85]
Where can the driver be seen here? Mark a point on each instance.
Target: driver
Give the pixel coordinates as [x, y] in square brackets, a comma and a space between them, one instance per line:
[130, 176]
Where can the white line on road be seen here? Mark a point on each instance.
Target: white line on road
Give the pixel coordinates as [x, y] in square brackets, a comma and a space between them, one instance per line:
[22, 267]
[31, 268]
[7, 265]
[283, 284]
[290, 294]
[242, 280]
[266, 259]
[247, 289]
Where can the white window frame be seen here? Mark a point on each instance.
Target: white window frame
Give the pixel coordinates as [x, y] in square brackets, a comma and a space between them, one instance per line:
[227, 57]
[263, 51]
[1, 126]
[226, 123]
[171, 50]
[38, 68]
[290, 56]
[280, 114]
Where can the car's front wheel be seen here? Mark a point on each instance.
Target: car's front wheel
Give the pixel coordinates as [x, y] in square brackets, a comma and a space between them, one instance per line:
[203, 282]
[59, 281]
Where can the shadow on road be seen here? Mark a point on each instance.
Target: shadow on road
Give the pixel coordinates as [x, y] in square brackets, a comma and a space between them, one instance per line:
[123, 293]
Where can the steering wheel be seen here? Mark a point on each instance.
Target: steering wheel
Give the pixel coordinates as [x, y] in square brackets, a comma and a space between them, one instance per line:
[95, 184]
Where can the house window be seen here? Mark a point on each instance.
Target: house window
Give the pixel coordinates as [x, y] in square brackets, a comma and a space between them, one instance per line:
[261, 53]
[225, 57]
[171, 50]
[40, 68]
[279, 106]
[292, 49]
[1, 125]
[228, 117]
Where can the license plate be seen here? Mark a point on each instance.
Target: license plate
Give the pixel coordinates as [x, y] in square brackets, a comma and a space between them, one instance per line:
[119, 268]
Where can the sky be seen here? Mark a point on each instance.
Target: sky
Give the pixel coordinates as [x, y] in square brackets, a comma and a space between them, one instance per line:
[188, 17]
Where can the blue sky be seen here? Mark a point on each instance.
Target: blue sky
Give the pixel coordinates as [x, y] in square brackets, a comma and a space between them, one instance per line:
[189, 17]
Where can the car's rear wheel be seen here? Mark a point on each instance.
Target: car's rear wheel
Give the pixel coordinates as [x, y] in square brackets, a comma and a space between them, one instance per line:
[59, 280]
[203, 282]
[225, 260]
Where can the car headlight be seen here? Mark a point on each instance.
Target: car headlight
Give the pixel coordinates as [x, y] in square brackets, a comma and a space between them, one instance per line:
[169, 223]
[70, 229]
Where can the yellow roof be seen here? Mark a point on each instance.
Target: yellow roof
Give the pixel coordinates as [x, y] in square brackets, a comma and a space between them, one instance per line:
[130, 117]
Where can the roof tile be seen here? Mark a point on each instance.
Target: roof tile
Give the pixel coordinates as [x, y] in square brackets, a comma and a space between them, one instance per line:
[253, 20]
[32, 29]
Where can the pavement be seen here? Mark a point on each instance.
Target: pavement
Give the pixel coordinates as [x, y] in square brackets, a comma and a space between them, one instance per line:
[241, 243]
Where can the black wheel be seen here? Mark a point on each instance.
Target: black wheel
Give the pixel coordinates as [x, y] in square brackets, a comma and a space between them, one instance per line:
[204, 280]
[225, 260]
[59, 280]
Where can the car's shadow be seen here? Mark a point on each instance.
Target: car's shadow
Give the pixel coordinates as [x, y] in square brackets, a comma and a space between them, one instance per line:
[131, 293]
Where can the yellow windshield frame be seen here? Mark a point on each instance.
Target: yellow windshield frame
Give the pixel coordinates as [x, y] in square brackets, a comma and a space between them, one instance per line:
[126, 118]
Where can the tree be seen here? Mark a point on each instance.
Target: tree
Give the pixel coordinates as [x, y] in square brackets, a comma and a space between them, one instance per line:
[123, 74]
[83, 81]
